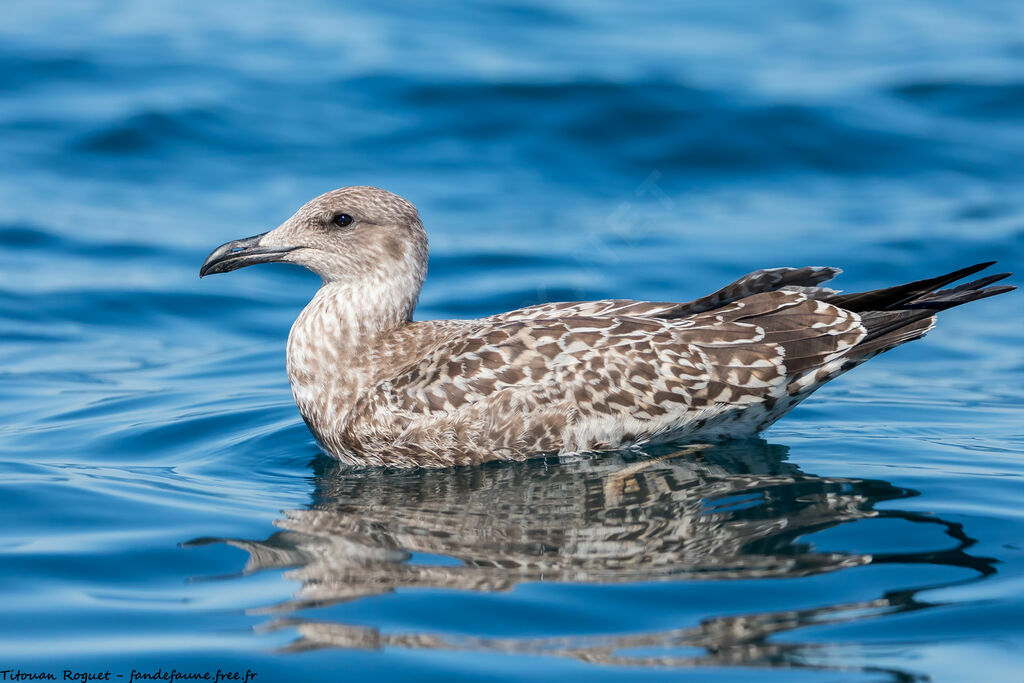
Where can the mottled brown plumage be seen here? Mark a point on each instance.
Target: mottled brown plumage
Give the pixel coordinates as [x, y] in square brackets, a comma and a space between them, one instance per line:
[377, 388]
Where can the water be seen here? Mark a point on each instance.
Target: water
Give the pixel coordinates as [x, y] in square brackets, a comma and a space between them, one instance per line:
[164, 506]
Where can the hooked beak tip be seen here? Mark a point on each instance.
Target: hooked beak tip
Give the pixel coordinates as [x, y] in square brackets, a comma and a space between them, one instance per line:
[240, 253]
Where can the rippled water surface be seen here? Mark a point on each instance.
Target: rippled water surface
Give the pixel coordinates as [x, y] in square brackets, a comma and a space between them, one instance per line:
[164, 506]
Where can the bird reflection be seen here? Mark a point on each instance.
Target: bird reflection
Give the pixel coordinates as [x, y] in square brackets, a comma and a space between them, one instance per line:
[735, 511]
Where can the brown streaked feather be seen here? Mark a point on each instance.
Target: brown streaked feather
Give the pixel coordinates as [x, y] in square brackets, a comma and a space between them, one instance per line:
[547, 378]
[660, 375]
[803, 280]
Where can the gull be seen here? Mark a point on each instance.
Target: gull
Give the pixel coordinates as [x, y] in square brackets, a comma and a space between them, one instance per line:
[377, 388]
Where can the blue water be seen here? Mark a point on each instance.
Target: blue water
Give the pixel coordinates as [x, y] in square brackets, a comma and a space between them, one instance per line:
[163, 506]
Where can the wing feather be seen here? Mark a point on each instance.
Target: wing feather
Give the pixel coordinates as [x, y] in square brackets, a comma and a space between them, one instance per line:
[614, 373]
[538, 382]
[804, 280]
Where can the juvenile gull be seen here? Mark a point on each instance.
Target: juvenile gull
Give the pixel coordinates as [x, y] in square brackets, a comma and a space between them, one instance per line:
[377, 388]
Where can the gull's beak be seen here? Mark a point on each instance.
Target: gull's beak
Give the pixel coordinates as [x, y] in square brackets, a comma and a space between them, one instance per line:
[240, 253]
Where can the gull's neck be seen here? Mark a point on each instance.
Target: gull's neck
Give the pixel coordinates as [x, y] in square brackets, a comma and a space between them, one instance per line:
[346, 313]
[331, 343]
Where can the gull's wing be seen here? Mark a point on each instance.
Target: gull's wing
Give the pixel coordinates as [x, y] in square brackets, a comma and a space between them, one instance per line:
[584, 383]
[508, 388]
[805, 279]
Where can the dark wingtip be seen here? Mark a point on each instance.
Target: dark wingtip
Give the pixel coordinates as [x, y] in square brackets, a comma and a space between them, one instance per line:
[982, 282]
[969, 270]
[991, 291]
[908, 295]
[979, 266]
[948, 298]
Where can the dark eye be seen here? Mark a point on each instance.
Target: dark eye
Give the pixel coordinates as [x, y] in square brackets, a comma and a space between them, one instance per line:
[342, 220]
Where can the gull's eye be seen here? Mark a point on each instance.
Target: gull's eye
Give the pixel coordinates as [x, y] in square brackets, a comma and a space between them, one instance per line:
[342, 220]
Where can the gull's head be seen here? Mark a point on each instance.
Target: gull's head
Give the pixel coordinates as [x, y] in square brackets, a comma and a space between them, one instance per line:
[363, 237]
